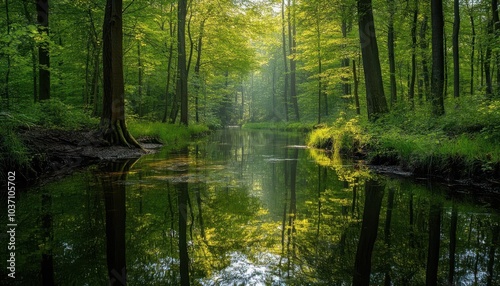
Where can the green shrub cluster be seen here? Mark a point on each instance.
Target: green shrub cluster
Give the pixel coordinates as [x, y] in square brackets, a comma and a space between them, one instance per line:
[173, 134]
[463, 142]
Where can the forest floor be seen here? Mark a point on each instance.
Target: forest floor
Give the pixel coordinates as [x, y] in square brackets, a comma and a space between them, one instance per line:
[56, 153]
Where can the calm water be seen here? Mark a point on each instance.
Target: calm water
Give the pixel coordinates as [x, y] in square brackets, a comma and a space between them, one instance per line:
[248, 208]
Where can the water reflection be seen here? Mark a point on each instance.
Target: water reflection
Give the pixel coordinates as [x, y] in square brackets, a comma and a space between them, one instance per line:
[112, 176]
[250, 208]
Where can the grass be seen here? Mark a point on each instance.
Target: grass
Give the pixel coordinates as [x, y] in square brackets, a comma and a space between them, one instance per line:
[169, 134]
[461, 144]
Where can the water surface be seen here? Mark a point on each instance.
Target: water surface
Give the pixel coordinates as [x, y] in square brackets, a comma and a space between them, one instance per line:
[249, 208]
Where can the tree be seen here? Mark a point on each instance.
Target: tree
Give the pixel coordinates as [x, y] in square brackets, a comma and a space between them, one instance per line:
[42, 7]
[456, 56]
[390, 50]
[437, 79]
[375, 97]
[182, 75]
[113, 127]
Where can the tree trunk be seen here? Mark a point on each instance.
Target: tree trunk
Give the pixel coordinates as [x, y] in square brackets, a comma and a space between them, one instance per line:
[473, 47]
[375, 97]
[139, 79]
[197, 83]
[7, 73]
[293, 64]
[356, 83]
[169, 64]
[182, 75]
[496, 32]
[437, 80]
[42, 7]
[285, 59]
[411, 91]
[113, 127]
[456, 56]
[424, 48]
[390, 48]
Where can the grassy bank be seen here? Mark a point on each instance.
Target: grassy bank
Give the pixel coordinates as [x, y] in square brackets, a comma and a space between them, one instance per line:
[464, 143]
[174, 135]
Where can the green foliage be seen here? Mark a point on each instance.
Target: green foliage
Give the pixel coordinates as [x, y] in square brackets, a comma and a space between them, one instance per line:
[55, 114]
[345, 136]
[166, 133]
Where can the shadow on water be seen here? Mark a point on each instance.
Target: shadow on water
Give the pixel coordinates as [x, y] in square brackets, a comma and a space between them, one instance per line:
[249, 208]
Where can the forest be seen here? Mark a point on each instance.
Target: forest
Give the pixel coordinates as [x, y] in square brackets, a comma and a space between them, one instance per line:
[250, 142]
[381, 75]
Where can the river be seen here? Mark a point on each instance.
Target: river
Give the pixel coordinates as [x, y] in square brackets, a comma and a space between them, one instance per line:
[249, 208]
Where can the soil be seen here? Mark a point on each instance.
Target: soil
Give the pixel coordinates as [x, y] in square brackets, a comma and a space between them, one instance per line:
[56, 153]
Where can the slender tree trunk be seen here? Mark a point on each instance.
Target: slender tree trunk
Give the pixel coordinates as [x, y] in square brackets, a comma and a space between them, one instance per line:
[285, 58]
[346, 87]
[356, 83]
[7, 73]
[473, 47]
[487, 61]
[424, 48]
[293, 64]
[496, 32]
[456, 56]
[390, 48]
[181, 60]
[411, 91]
[197, 81]
[320, 68]
[375, 97]
[438, 68]
[169, 64]
[42, 7]
[139, 79]
[113, 127]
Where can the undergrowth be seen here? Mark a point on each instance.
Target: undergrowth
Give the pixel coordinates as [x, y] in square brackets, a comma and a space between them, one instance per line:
[170, 134]
[462, 143]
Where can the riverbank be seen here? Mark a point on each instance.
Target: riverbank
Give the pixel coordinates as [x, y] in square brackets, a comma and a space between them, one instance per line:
[457, 146]
[36, 151]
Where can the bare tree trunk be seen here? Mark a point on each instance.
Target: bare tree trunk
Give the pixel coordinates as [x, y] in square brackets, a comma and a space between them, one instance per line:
[456, 56]
[169, 64]
[375, 97]
[411, 91]
[42, 7]
[285, 59]
[424, 48]
[390, 48]
[356, 83]
[437, 80]
[473, 47]
[293, 64]
[181, 60]
[113, 127]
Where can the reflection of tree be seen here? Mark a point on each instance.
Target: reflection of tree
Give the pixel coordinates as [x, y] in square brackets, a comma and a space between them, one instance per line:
[112, 183]
[434, 242]
[182, 196]
[374, 192]
[47, 268]
[491, 254]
